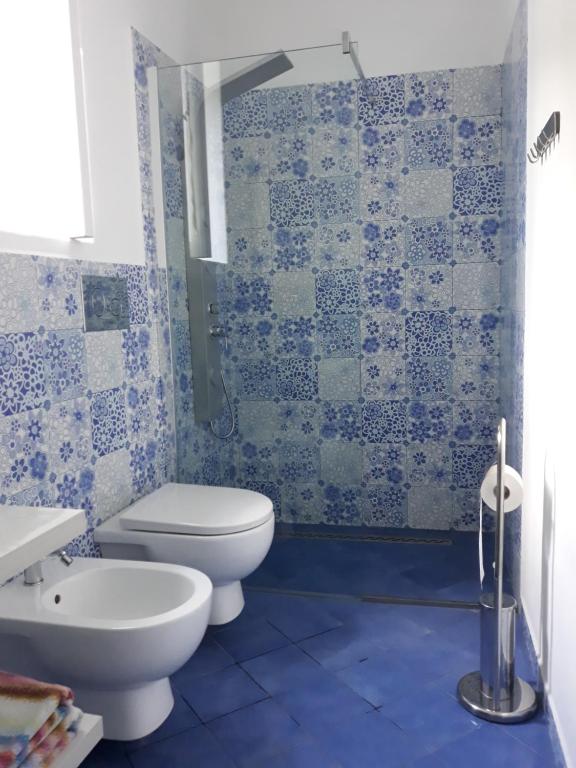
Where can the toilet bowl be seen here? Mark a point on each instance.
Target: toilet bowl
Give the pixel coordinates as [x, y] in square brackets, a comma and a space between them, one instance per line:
[223, 532]
[112, 630]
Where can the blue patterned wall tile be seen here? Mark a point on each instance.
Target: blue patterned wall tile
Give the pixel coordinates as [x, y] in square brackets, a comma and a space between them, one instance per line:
[429, 378]
[478, 91]
[246, 159]
[113, 483]
[298, 420]
[381, 100]
[249, 206]
[476, 377]
[477, 239]
[59, 295]
[258, 461]
[295, 337]
[430, 508]
[289, 108]
[341, 462]
[383, 290]
[340, 420]
[334, 104]
[385, 506]
[65, 364]
[470, 462]
[144, 467]
[140, 406]
[337, 245]
[429, 94]
[138, 352]
[383, 243]
[477, 140]
[429, 241]
[299, 462]
[291, 204]
[256, 379]
[429, 421]
[385, 464]
[76, 490]
[290, 156]
[294, 248]
[336, 199]
[104, 360]
[381, 149]
[297, 379]
[246, 116]
[342, 505]
[339, 378]
[172, 190]
[22, 382]
[251, 294]
[41, 495]
[137, 292]
[383, 376]
[429, 464]
[294, 293]
[338, 290]
[381, 196]
[382, 333]
[19, 304]
[70, 437]
[428, 193]
[429, 333]
[249, 250]
[478, 190]
[476, 333]
[253, 337]
[258, 420]
[467, 511]
[429, 287]
[428, 144]
[476, 286]
[335, 150]
[24, 451]
[108, 415]
[338, 335]
[301, 503]
[384, 421]
[474, 422]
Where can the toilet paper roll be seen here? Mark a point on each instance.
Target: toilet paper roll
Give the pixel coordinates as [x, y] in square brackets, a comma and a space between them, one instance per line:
[513, 488]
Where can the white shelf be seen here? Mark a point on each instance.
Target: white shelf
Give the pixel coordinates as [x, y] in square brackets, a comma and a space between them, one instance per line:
[89, 734]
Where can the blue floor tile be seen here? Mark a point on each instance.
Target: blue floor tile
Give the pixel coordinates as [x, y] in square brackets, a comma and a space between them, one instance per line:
[209, 657]
[284, 670]
[378, 679]
[340, 648]
[107, 754]
[306, 753]
[197, 747]
[299, 617]
[490, 747]
[246, 639]
[219, 693]
[534, 733]
[256, 733]
[323, 702]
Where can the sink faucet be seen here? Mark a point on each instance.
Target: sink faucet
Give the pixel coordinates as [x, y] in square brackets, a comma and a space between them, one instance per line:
[33, 574]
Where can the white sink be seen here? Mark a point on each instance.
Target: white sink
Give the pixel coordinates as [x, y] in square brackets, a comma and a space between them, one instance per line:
[29, 534]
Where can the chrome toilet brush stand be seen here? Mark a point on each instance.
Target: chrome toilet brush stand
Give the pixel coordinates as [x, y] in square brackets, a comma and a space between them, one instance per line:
[495, 693]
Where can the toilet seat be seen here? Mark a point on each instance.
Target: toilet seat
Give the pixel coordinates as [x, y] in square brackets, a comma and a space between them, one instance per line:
[199, 510]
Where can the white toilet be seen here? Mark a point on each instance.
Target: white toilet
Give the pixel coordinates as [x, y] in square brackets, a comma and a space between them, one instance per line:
[113, 630]
[224, 532]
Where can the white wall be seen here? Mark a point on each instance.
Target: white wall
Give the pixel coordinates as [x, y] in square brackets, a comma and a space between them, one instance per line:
[549, 514]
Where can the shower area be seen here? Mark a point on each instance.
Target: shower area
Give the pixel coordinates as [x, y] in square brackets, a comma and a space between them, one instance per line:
[334, 247]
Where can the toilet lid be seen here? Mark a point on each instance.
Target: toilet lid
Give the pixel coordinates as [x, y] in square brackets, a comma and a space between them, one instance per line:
[202, 510]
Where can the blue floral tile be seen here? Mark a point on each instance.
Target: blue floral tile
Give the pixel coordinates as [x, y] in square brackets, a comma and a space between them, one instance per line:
[383, 377]
[289, 108]
[429, 333]
[172, 190]
[337, 290]
[477, 140]
[65, 364]
[466, 515]
[381, 196]
[298, 421]
[70, 434]
[430, 508]
[337, 245]
[334, 104]
[137, 350]
[144, 466]
[478, 91]
[340, 420]
[258, 461]
[342, 505]
[294, 248]
[429, 241]
[297, 379]
[137, 287]
[295, 337]
[251, 294]
[477, 239]
[335, 150]
[429, 378]
[428, 193]
[385, 506]
[249, 250]
[382, 333]
[291, 203]
[338, 335]
[256, 379]
[24, 451]
[476, 333]
[301, 503]
[476, 377]
[246, 116]
[385, 464]
[341, 462]
[22, 382]
[258, 420]
[384, 421]
[253, 337]
[113, 483]
[294, 293]
[429, 421]
[140, 406]
[336, 199]
[429, 94]
[383, 243]
[250, 205]
[299, 462]
[108, 415]
[429, 464]
[291, 156]
[339, 378]
[381, 100]
[428, 144]
[76, 490]
[59, 295]
[19, 305]
[478, 190]
[246, 160]
[476, 286]
[381, 149]
[474, 422]
[429, 287]
[383, 290]
[470, 463]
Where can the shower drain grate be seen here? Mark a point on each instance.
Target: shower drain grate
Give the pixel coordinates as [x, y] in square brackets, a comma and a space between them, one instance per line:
[389, 538]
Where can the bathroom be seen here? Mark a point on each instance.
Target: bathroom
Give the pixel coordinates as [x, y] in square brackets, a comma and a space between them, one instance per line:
[280, 344]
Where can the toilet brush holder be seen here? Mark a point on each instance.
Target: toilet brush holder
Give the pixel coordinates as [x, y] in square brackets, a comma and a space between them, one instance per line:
[495, 693]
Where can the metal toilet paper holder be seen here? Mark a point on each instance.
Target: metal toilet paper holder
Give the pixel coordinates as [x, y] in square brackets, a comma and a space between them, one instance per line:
[495, 693]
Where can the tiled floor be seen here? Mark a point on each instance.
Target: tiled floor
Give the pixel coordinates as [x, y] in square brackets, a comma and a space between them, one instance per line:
[447, 571]
[302, 682]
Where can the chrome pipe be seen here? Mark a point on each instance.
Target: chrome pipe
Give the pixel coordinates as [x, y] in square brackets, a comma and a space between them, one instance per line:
[499, 560]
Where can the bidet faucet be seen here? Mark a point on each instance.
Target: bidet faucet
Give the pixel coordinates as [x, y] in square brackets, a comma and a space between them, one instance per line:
[33, 574]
